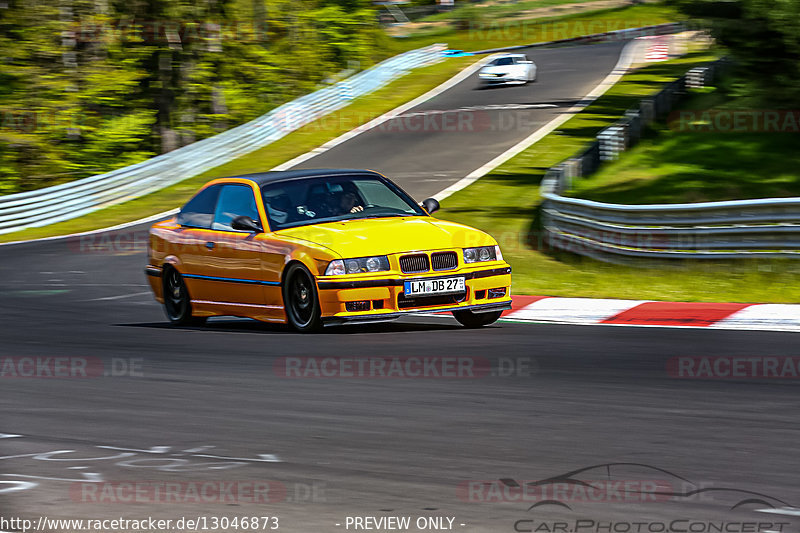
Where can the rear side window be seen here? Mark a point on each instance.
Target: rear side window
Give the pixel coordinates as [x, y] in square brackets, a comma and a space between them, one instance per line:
[199, 211]
[234, 201]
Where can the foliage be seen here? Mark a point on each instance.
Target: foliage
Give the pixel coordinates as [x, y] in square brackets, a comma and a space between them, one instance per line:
[93, 85]
[763, 36]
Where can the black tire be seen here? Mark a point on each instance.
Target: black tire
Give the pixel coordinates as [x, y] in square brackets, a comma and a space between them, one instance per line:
[476, 320]
[300, 299]
[177, 302]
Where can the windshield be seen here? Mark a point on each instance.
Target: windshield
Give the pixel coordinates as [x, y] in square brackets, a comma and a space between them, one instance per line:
[312, 201]
[503, 61]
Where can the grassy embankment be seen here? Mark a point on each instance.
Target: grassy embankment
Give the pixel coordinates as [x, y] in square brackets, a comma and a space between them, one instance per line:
[505, 202]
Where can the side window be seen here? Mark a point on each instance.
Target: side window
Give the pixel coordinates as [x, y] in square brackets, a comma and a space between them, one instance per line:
[199, 211]
[234, 201]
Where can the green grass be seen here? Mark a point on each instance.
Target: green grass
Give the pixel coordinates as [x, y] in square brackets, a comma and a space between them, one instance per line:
[672, 166]
[500, 33]
[505, 203]
[495, 11]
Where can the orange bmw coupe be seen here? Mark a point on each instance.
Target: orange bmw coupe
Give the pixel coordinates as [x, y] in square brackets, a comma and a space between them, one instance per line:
[321, 247]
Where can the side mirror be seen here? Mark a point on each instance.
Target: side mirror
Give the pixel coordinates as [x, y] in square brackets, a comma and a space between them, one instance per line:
[245, 223]
[431, 205]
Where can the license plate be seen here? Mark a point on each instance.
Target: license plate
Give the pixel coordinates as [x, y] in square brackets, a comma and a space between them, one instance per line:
[424, 287]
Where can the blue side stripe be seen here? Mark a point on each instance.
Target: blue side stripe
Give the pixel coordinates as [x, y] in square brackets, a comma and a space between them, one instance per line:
[233, 280]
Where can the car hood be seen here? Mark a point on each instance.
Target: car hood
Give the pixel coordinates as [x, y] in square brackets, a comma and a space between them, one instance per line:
[385, 236]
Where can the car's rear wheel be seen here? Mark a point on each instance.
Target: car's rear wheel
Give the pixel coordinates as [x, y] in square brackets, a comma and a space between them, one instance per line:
[300, 299]
[476, 320]
[177, 302]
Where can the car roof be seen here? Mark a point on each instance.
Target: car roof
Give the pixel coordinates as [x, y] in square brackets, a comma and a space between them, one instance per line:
[510, 55]
[263, 178]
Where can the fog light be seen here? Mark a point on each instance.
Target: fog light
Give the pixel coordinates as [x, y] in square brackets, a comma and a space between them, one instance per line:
[361, 305]
[497, 293]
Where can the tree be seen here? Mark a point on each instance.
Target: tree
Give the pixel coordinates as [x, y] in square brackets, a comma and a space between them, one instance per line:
[93, 85]
[762, 35]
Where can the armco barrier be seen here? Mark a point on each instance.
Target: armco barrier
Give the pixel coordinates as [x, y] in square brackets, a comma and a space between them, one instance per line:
[70, 200]
[612, 232]
[711, 230]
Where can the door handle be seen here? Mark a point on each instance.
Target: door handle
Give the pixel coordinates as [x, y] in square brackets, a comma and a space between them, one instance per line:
[210, 245]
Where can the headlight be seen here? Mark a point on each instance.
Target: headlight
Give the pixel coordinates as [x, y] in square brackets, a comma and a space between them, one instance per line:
[358, 265]
[484, 253]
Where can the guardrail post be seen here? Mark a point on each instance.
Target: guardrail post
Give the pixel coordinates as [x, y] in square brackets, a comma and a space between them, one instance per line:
[572, 170]
[613, 141]
[552, 183]
[634, 121]
[647, 111]
[590, 159]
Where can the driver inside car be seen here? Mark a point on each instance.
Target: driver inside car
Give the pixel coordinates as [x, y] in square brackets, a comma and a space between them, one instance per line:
[343, 202]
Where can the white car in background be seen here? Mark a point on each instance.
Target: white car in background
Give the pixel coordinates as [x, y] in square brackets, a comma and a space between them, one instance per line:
[508, 68]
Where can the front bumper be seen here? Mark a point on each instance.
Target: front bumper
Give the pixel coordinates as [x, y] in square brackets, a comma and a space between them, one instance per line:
[379, 299]
[500, 80]
[386, 317]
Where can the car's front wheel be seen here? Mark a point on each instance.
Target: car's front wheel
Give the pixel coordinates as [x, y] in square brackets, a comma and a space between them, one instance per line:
[177, 303]
[300, 299]
[476, 320]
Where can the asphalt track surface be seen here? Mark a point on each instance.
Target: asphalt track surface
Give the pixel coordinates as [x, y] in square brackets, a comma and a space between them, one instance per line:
[211, 404]
[442, 140]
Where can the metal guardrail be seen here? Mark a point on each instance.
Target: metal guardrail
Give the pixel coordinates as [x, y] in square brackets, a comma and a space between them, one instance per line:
[768, 227]
[77, 198]
[710, 230]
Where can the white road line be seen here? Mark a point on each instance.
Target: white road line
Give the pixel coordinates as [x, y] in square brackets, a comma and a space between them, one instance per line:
[153, 449]
[625, 61]
[263, 458]
[8, 436]
[455, 80]
[788, 511]
[496, 107]
[15, 486]
[120, 297]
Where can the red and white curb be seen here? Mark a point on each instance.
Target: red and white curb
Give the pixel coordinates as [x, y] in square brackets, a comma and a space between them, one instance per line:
[658, 50]
[601, 311]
